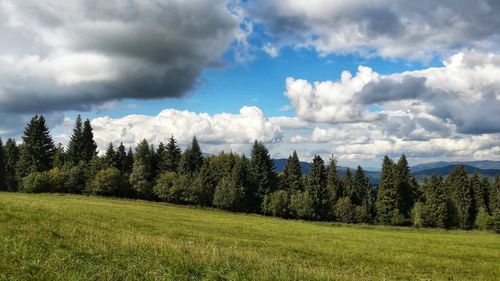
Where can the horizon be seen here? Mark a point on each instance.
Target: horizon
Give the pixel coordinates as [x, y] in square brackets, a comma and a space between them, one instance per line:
[355, 80]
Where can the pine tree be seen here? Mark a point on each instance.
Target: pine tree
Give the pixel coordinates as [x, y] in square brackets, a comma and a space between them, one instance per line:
[463, 196]
[485, 185]
[121, 158]
[38, 148]
[263, 174]
[436, 207]
[387, 197]
[110, 158]
[89, 147]
[348, 183]
[129, 162]
[293, 174]
[76, 145]
[60, 156]
[191, 159]
[404, 182]
[333, 182]
[366, 198]
[478, 192]
[3, 184]
[317, 188]
[143, 156]
[171, 156]
[11, 155]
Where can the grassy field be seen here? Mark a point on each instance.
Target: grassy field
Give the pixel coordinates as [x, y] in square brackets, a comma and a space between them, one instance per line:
[55, 237]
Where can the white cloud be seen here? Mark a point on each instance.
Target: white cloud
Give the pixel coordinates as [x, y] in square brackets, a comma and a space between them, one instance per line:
[462, 95]
[288, 122]
[391, 28]
[219, 130]
[272, 51]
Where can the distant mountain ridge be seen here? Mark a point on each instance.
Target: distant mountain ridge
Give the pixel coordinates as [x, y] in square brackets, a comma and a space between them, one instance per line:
[486, 168]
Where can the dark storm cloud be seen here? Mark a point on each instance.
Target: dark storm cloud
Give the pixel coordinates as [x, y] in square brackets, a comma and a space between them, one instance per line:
[84, 53]
[390, 90]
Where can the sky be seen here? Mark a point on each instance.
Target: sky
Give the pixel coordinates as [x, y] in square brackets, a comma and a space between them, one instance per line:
[353, 79]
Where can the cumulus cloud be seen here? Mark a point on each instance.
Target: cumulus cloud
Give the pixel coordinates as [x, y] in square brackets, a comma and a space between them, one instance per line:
[71, 55]
[389, 28]
[232, 129]
[462, 94]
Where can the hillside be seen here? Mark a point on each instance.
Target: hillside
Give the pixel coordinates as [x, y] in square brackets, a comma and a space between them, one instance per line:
[53, 237]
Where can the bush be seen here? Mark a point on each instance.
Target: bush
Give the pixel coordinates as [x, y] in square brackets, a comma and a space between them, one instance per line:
[483, 219]
[139, 181]
[227, 195]
[416, 215]
[344, 210]
[167, 188]
[57, 180]
[276, 204]
[302, 205]
[362, 214]
[107, 182]
[75, 178]
[37, 182]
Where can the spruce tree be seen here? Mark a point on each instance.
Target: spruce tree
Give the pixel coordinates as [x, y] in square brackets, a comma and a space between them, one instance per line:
[316, 187]
[263, 174]
[129, 161]
[485, 185]
[293, 174]
[333, 182]
[89, 147]
[436, 207]
[403, 181]
[3, 184]
[110, 158]
[171, 157]
[478, 192]
[76, 145]
[37, 150]
[11, 155]
[191, 159]
[348, 183]
[387, 197]
[121, 158]
[463, 196]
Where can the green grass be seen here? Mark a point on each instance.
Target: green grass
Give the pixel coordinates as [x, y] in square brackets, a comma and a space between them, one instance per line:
[55, 237]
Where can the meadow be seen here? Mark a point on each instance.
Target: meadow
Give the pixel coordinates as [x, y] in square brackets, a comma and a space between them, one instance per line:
[70, 237]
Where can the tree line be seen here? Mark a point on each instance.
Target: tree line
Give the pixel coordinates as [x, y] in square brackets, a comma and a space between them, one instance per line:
[235, 182]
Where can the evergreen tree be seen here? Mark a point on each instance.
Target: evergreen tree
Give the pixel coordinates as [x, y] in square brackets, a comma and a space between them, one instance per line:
[436, 207]
[477, 189]
[404, 182]
[366, 210]
[203, 187]
[494, 196]
[191, 159]
[89, 147]
[11, 155]
[121, 159]
[348, 183]
[263, 174]
[76, 144]
[129, 161]
[293, 174]
[171, 156]
[387, 197]
[333, 182]
[485, 184]
[37, 150]
[110, 158]
[143, 156]
[3, 184]
[316, 187]
[463, 196]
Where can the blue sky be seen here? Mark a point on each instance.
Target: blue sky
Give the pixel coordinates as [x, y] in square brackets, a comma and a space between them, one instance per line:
[424, 80]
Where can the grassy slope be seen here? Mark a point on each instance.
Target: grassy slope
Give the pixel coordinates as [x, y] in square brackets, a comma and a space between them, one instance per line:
[52, 237]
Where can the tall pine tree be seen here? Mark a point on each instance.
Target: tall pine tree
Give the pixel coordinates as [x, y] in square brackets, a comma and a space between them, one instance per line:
[293, 174]
[3, 185]
[38, 148]
[191, 159]
[403, 181]
[89, 147]
[316, 187]
[263, 174]
[463, 196]
[11, 154]
[333, 182]
[76, 145]
[387, 198]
